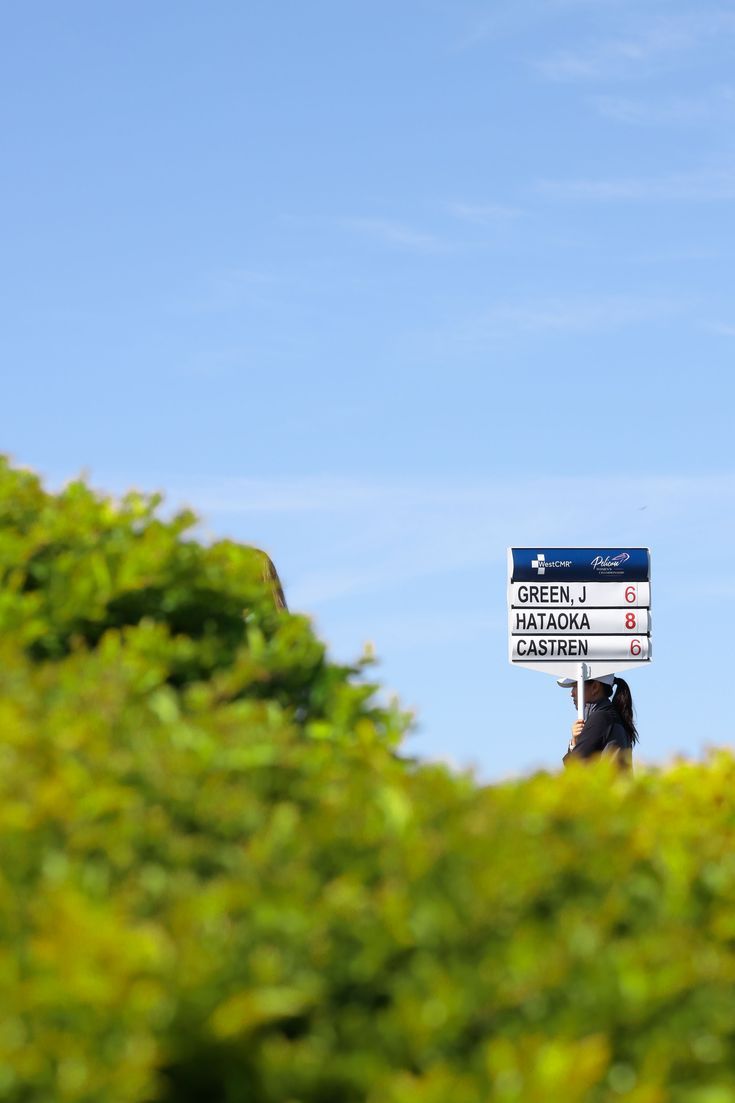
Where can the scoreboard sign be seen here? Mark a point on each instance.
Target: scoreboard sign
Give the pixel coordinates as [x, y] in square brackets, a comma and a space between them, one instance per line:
[579, 612]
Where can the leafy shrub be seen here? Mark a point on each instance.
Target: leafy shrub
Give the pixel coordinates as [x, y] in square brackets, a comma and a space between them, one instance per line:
[76, 565]
[212, 894]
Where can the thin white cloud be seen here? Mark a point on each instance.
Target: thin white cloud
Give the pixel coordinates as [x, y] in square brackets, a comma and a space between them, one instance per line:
[408, 237]
[337, 495]
[713, 106]
[484, 214]
[675, 255]
[548, 316]
[503, 21]
[647, 43]
[312, 495]
[333, 494]
[477, 332]
[610, 59]
[396, 234]
[705, 186]
[573, 315]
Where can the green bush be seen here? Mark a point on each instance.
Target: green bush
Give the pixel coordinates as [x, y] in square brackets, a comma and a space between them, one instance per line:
[213, 892]
[76, 565]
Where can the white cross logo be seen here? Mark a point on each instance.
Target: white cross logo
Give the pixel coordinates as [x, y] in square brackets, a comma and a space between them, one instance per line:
[540, 563]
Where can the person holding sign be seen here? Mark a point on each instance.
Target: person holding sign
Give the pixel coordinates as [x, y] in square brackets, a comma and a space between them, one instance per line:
[608, 727]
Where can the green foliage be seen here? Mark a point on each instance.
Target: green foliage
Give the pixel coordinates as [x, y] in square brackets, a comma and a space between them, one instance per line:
[76, 565]
[212, 891]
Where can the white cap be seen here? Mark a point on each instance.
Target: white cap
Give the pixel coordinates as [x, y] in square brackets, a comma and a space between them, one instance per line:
[567, 683]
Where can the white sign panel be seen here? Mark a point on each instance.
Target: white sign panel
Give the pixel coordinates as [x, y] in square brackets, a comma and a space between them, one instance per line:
[580, 648]
[598, 622]
[595, 595]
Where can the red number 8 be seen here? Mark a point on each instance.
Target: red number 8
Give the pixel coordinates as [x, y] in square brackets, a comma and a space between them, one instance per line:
[630, 621]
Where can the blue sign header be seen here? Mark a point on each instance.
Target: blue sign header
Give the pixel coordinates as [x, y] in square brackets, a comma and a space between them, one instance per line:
[580, 564]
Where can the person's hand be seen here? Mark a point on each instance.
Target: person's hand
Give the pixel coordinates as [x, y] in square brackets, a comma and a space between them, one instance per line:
[576, 731]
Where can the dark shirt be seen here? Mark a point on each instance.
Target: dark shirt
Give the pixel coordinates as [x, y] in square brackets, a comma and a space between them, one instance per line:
[603, 733]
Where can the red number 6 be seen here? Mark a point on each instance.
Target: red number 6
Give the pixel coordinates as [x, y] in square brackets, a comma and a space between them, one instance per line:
[630, 594]
[635, 647]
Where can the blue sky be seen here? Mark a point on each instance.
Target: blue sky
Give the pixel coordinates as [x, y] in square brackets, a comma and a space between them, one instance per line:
[385, 288]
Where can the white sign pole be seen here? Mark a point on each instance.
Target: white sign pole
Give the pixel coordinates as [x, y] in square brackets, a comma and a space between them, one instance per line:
[583, 674]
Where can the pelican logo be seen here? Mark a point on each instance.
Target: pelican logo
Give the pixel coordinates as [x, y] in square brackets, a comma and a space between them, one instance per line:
[609, 563]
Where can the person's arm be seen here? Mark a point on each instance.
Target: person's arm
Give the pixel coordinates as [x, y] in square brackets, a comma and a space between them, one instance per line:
[591, 739]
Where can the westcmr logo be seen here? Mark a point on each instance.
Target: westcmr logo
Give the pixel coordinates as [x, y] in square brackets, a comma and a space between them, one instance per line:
[541, 564]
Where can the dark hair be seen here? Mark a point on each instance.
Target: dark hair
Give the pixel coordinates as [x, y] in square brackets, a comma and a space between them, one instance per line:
[623, 701]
